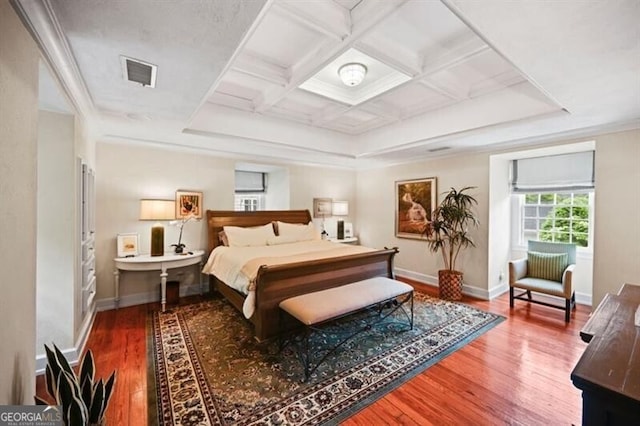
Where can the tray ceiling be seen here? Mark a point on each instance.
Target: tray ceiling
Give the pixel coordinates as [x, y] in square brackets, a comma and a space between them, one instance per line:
[420, 57]
[259, 79]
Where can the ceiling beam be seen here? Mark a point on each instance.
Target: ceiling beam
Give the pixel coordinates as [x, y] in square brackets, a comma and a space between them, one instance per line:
[461, 52]
[392, 54]
[225, 99]
[453, 91]
[328, 17]
[255, 66]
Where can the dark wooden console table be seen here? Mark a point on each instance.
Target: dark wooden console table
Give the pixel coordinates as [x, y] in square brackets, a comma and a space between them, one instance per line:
[608, 373]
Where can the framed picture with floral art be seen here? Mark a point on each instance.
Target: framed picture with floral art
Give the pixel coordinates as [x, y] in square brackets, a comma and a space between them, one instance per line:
[188, 204]
[415, 201]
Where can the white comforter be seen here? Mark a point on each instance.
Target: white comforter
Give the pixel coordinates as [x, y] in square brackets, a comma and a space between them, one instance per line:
[228, 264]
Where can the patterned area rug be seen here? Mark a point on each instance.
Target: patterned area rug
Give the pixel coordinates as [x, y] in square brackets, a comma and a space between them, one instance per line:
[208, 370]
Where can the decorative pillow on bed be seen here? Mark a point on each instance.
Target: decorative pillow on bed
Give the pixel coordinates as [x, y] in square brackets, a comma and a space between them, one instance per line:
[249, 237]
[222, 237]
[298, 231]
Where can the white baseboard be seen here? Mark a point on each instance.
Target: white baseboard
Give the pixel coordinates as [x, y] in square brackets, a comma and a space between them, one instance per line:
[148, 297]
[422, 278]
[498, 290]
[584, 299]
[480, 293]
[71, 354]
[467, 289]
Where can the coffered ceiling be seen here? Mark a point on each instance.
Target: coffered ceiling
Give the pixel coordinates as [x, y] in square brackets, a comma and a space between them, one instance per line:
[259, 79]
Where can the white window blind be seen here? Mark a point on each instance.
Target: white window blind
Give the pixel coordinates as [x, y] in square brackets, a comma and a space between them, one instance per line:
[554, 173]
[250, 181]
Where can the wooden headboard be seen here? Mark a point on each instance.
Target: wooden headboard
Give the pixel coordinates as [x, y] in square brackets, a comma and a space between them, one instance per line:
[216, 219]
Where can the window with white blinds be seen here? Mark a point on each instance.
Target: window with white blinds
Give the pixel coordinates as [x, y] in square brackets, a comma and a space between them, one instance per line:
[554, 173]
[250, 182]
[250, 189]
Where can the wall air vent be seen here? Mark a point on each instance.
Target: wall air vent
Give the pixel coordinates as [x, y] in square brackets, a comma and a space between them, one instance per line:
[138, 71]
[442, 148]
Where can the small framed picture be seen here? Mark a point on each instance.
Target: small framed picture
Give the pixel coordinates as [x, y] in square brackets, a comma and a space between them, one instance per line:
[188, 204]
[127, 245]
[322, 207]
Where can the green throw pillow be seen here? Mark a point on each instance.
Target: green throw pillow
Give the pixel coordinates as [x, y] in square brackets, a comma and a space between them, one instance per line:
[547, 266]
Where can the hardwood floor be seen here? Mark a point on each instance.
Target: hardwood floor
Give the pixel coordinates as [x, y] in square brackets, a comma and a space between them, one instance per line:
[516, 373]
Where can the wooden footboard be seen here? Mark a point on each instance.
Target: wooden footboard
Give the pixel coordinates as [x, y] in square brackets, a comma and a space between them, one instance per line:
[277, 283]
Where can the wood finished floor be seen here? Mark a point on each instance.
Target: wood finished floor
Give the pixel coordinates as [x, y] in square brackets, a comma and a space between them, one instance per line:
[516, 373]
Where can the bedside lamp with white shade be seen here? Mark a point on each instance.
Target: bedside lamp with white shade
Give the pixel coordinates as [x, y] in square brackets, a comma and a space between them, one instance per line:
[157, 210]
[340, 208]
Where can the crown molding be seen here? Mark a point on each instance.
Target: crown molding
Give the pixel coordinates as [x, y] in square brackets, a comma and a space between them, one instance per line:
[41, 21]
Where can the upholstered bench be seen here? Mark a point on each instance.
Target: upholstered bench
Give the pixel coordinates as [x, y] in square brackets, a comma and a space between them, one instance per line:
[316, 309]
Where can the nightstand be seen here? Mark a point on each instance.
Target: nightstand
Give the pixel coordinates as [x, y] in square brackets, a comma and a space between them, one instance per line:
[350, 240]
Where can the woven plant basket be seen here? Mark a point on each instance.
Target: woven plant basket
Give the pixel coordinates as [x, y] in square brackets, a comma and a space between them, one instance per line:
[449, 284]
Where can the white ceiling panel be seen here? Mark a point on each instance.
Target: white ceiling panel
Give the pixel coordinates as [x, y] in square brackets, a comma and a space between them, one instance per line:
[228, 71]
[421, 27]
[412, 96]
[282, 40]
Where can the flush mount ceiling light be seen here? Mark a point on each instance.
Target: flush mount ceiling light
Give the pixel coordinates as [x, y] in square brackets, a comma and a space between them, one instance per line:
[352, 73]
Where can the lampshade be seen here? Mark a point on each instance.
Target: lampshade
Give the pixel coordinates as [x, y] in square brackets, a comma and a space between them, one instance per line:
[352, 73]
[157, 210]
[340, 208]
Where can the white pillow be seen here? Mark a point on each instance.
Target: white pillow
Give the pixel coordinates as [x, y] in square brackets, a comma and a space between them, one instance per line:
[249, 237]
[274, 241]
[298, 231]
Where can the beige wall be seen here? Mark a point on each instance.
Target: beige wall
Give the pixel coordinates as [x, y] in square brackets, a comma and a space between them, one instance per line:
[376, 214]
[56, 231]
[616, 233]
[617, 210]
[126, 173]
[18, 135]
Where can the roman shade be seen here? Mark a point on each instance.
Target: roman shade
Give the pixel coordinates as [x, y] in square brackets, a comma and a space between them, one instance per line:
[565, 172]
[250, 181]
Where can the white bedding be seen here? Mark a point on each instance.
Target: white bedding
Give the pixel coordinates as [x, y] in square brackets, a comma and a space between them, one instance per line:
[233, 265]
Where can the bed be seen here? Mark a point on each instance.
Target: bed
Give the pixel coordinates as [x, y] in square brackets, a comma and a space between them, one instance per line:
[279, 282]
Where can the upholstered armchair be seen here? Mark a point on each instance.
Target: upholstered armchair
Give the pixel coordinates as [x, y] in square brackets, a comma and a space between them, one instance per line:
[547, 269]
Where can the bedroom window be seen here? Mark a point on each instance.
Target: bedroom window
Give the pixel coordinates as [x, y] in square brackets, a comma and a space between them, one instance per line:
[555, 217]
[250, 188]
[552, 199]
[249, 203]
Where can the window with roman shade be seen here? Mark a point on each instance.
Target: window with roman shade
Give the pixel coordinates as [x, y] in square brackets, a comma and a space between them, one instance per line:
[554, 173]
[250, 182]
[250, 191]
[553, 198]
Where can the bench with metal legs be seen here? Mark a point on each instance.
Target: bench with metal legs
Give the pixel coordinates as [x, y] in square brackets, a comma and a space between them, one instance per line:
[381, 296]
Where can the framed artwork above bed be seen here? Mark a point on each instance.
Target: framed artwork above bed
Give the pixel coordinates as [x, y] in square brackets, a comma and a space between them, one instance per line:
[415, 201]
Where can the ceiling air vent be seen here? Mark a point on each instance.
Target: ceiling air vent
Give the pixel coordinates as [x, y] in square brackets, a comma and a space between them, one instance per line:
[138, 71]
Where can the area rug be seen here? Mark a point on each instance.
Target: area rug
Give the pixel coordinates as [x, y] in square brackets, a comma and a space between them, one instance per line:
[205, 368]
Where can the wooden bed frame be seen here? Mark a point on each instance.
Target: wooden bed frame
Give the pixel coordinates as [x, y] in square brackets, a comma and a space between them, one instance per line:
[277, 283]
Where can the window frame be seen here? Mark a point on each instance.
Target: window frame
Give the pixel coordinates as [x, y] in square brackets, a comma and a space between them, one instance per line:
[518, 241]
[258, 197]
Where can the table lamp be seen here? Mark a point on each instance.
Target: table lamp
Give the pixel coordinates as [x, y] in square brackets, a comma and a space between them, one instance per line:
[340, 208]
[157, 210]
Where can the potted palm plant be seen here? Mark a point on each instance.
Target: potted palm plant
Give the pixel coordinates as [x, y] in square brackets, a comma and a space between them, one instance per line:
[448, 233]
